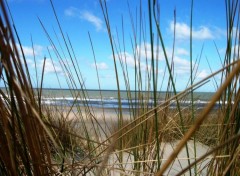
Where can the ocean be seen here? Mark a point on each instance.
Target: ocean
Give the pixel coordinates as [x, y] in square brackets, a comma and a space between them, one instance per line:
[109, 98]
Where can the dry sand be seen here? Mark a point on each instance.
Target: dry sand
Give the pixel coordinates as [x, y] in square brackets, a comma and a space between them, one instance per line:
[167, 148]
[108, 118]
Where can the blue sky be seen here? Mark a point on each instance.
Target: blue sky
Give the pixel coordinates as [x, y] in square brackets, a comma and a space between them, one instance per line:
[78, 17]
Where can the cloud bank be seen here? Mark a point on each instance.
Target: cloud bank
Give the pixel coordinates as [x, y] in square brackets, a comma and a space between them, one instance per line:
[86, 16]
[183, 32]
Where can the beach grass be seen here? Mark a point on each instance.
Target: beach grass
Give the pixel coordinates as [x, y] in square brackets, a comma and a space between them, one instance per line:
[153, 139]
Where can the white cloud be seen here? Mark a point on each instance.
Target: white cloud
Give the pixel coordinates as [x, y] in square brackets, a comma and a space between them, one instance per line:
[49, 67]
[38, 50]
[145, 50]
[236, 49]
[72, 12]
[181, 51]
[28, 53]
[183, 32]
[28, 50]
[108, 76]
[128, 58]
[85, 15]
[202, 74]
[88, 16]
[235, 32]
[100, 66]
[30, 63]
[181, 66]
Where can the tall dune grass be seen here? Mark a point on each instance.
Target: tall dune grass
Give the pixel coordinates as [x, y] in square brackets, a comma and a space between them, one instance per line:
[37, 139]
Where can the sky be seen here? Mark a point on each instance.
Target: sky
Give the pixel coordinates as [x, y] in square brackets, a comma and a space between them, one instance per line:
[79, 18]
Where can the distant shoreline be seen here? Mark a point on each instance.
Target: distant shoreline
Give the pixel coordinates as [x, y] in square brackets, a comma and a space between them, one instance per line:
[104, 90]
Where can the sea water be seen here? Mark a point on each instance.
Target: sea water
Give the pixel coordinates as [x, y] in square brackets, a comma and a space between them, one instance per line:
[110, 98]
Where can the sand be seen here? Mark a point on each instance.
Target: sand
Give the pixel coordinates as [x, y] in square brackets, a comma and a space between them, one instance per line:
[107, 120]
[167, 148]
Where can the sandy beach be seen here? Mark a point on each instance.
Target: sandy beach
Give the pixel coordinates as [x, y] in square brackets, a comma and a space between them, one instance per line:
[107, 121]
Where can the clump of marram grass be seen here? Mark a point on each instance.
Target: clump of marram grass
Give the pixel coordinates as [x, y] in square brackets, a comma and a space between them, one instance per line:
[206, 134]
[170, 129]
[24, 136]
[59, 124]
